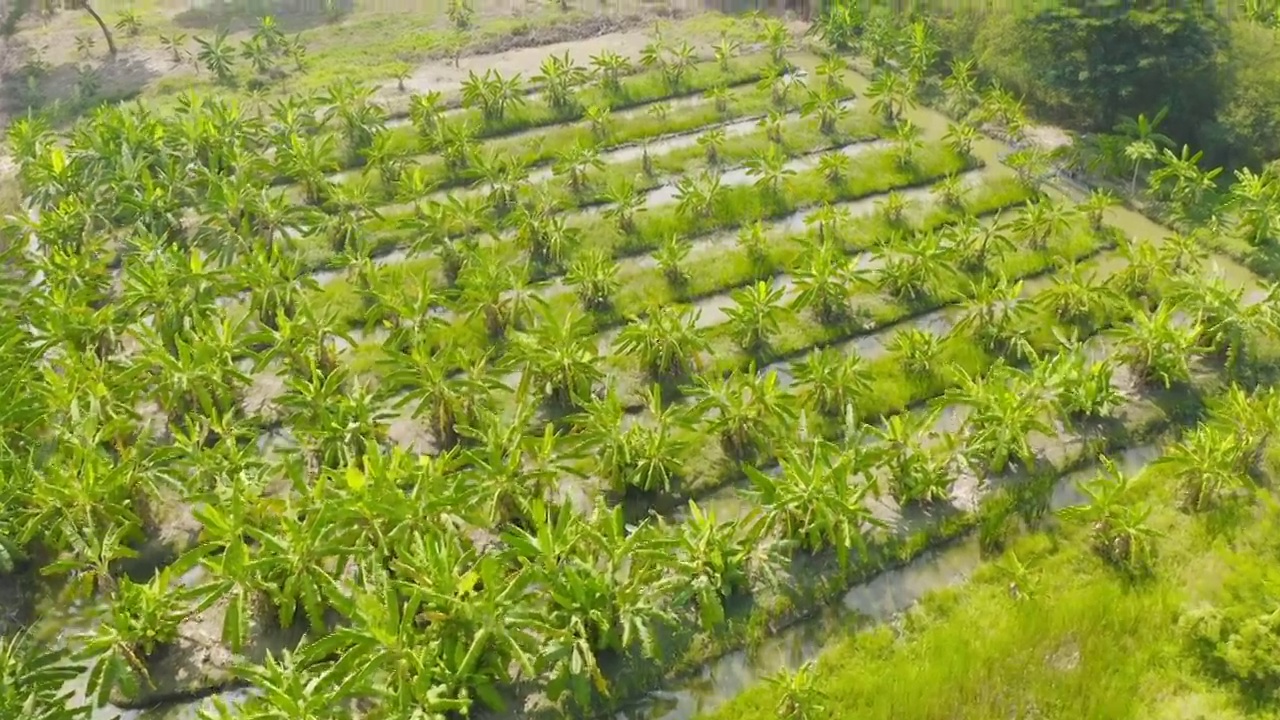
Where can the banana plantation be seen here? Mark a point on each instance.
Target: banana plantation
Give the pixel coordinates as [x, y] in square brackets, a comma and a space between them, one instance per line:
[516, 402]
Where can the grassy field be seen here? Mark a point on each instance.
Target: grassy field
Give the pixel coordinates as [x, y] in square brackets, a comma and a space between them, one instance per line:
[1077, 640]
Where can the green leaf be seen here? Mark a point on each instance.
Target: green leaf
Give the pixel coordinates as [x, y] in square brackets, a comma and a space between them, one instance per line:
[355, 478]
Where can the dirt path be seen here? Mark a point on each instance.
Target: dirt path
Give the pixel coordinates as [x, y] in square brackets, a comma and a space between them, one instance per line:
[441, 75]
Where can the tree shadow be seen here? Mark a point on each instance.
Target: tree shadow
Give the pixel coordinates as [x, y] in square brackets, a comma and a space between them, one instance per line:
[291, 15]
[64, 91]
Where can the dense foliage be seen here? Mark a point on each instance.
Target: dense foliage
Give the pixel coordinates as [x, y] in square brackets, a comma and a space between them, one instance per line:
[425, 403]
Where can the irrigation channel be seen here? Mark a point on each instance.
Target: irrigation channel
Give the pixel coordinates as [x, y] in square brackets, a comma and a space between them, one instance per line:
[882, 596]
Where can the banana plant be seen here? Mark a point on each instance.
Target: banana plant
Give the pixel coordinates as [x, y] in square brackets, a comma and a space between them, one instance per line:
[748, 411]
[917, 349]
[756, 315]
[816, 499]
[835, 166]
[142, 618]
[712, 142]
[722, 560]
[1208, 462]
[1121, 533]
[670, 257]
[558, 355]
[625, 202]
[995, 314]
[1001, 417]
[697, 197]
[666, 341]
[828, 106]
[917, 473]
[1230, 325]
[34, 679]
[497, 291]
[594, 277]
[301, 552]
[799, 697]
[828, 283]
[576, 165]
[919, 272]
[1077, 298]
[1158, 347]
[610, 67]
[830, 380]
[493, 94]
[559, 75]
[646, 454]
[725, 49]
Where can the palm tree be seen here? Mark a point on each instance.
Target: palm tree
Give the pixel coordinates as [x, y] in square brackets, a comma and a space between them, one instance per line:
[755, 316]
[666, 340]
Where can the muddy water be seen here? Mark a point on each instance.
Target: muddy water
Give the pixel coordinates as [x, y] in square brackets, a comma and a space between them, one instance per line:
[878, 600]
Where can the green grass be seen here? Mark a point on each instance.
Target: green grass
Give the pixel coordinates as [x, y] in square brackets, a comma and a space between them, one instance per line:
[1089, 643]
